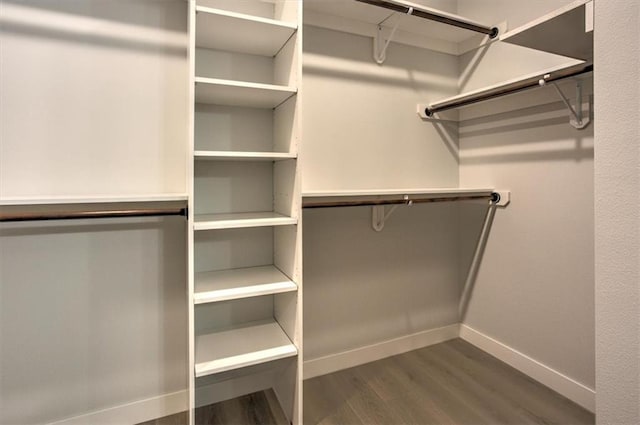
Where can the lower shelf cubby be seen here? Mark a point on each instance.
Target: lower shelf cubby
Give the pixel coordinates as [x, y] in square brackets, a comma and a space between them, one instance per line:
[260, 407]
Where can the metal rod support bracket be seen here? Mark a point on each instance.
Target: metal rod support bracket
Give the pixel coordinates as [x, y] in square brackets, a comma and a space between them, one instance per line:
[379, 215]
[578, 121]
[380, 45]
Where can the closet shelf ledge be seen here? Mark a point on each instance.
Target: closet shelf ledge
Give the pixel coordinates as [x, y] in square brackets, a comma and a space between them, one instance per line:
[98, 199]
[574, 21]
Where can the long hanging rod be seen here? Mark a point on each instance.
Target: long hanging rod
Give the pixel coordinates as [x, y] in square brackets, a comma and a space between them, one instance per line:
[434, 15]
[494, 197]
[506, 89]
[78, 215]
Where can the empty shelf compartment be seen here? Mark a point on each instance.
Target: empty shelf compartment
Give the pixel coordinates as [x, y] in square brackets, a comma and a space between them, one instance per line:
[237, 32]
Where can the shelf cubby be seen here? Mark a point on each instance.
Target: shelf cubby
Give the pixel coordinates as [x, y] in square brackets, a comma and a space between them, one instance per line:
[241, 346]
[230, 31]
[246, 129]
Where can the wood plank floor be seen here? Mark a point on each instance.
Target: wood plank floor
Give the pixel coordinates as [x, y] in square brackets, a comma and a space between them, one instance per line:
[261, 408]
[452, 383]
[448, 383]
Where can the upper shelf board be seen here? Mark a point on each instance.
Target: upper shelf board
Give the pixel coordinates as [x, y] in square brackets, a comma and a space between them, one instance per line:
[233, 284]
[240, 220]
[567, 31]
[24, 200]
[237, 32]
[242, 346]
[437, 192]
[242, 156]
[238, 93]
[508, 87]
[364, 13]
[319, 199]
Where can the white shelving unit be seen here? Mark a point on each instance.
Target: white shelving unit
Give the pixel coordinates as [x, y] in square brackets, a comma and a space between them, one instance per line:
[245, 242]
[508, 87]
[243, 346]
[567, 31]
[93, 199]
[238, 32]
[239, 220]
[363, 19]
[242, 156]
[246, 282]
[239, 93]
[424, 192]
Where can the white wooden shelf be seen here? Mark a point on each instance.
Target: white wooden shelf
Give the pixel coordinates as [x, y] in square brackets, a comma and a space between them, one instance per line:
[507, 87]
[239, 220]
[251, 344]
[567, 31]
[435, 192]
[240, 283]
[240, 93]
[93, 199]
[359, 18]
[237, 32]
[242, 156]
[325, 199]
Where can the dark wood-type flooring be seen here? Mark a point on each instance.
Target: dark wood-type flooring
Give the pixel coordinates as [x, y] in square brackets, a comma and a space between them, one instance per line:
[449, 383]
[261, 408]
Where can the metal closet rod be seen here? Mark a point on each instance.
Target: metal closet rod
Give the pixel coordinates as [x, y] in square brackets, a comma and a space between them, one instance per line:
[86, 214]
[493, 197]
[510, 88]
[434, 15]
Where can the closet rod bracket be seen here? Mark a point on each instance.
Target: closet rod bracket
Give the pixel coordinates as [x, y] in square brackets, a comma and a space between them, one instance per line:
[577, 121]
[380, 45]
[379, 214]
[501, 198]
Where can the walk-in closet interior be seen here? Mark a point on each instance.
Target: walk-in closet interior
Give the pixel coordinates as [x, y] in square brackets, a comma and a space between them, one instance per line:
[319, 212]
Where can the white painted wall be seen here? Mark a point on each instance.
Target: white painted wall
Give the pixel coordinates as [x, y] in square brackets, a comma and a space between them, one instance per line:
[94, 97]
[360, 126]
[617, 211]
[92, 316]
[94, 102]
[361, 132]
[535, 287]
[364, 287]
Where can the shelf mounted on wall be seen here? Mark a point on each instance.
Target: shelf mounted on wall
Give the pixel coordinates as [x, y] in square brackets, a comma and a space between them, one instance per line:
[378, 200]
[540, 79]
[381, 43]
[567, 31]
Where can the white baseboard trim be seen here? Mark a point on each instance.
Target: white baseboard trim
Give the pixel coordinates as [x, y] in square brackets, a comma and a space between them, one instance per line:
[133, 413]
[381, 350]
[573, 390]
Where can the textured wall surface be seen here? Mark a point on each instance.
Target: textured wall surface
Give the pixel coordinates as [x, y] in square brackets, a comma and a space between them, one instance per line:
[361, 132]
[617, 206]
[534, 289]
